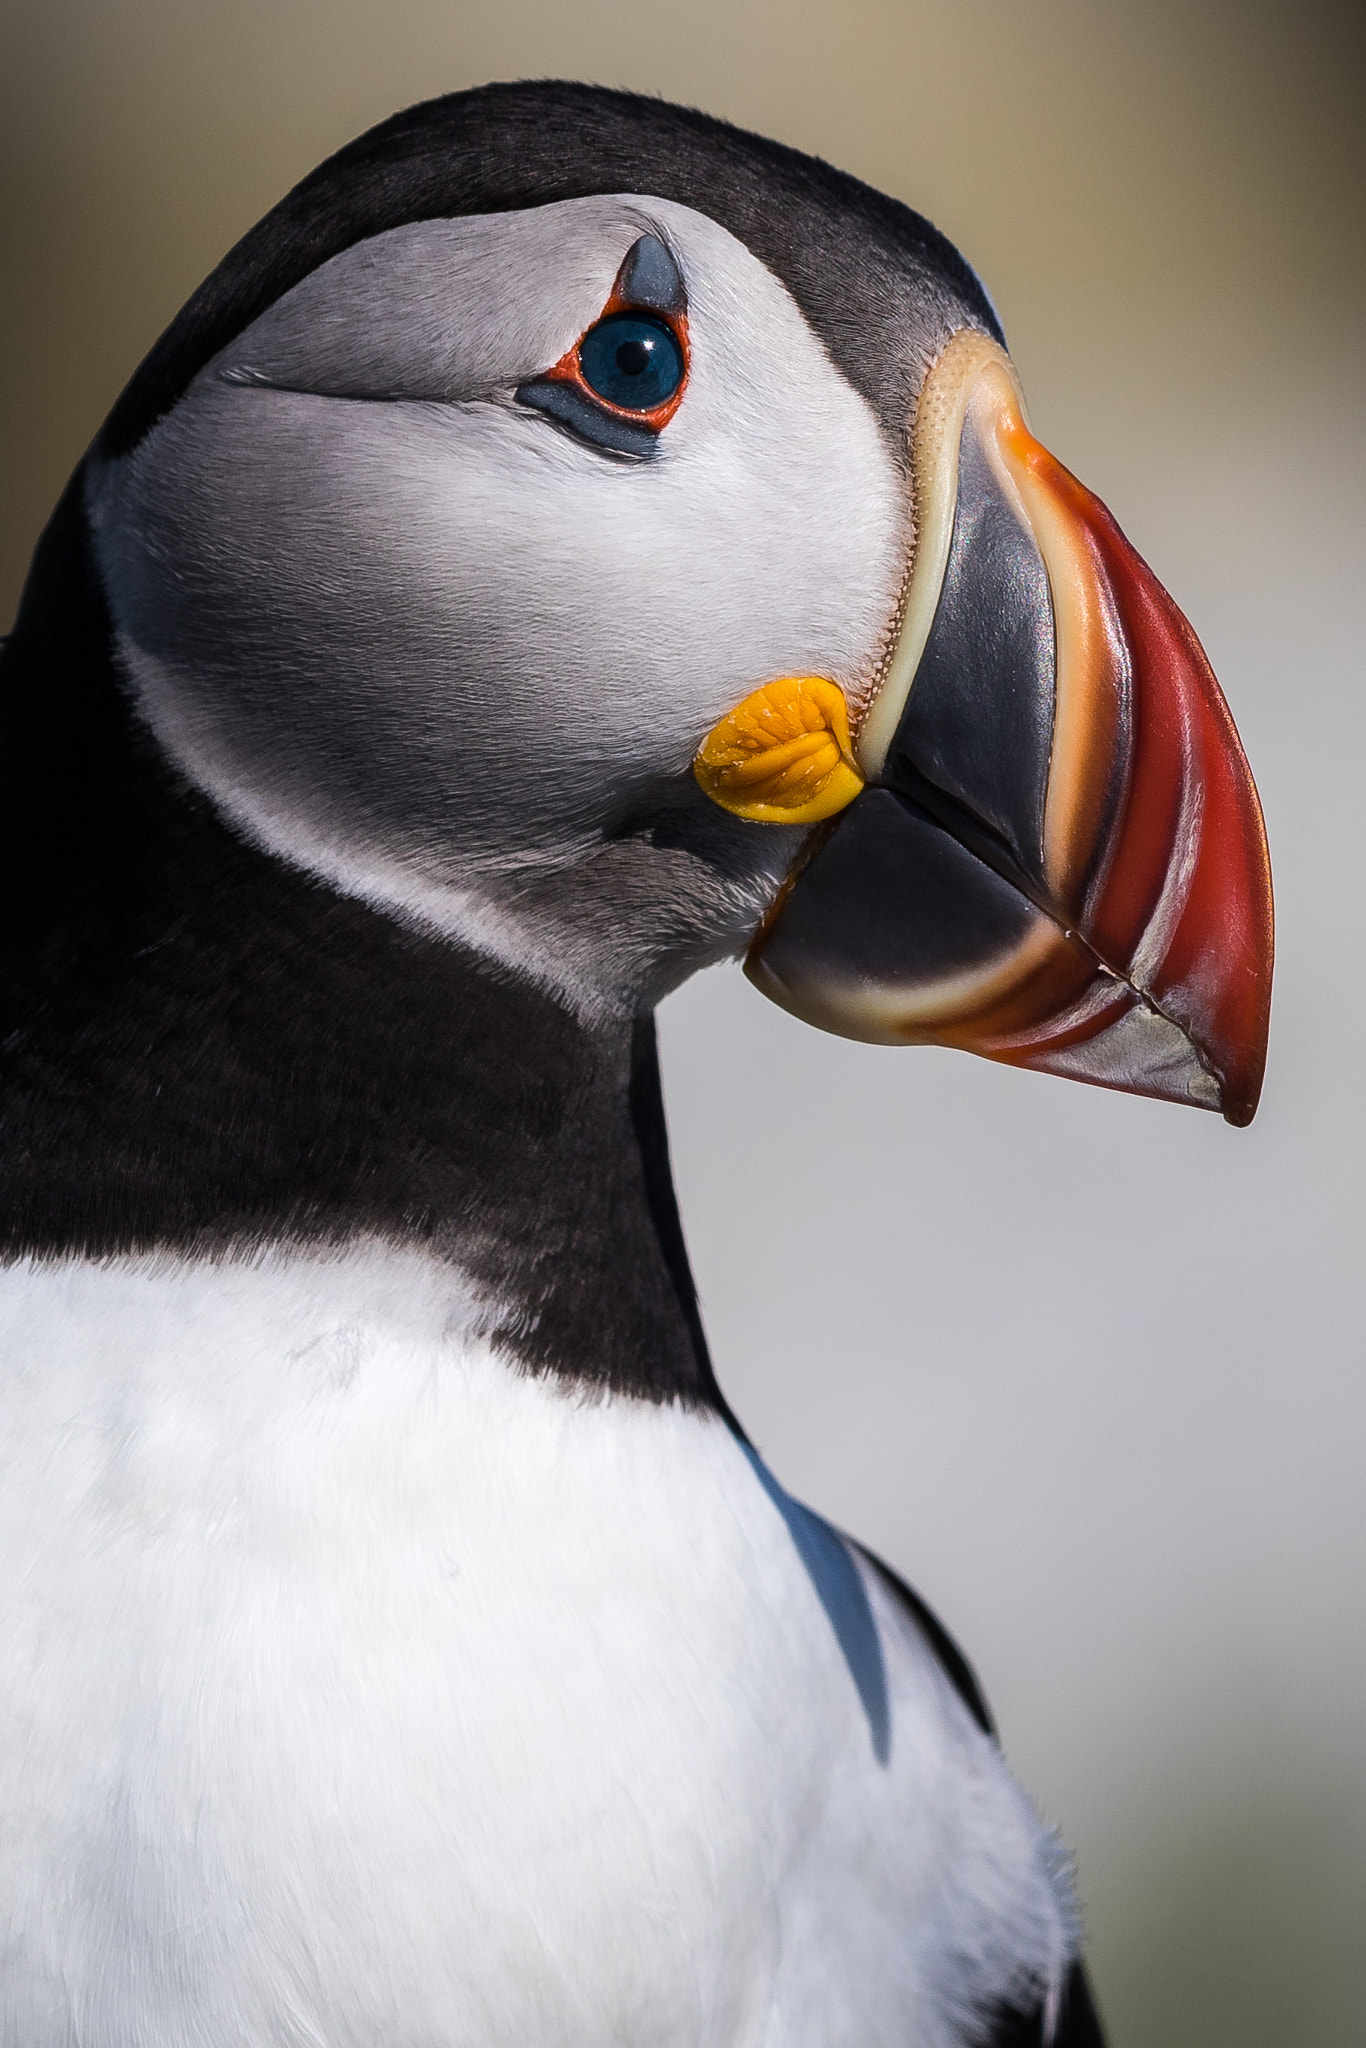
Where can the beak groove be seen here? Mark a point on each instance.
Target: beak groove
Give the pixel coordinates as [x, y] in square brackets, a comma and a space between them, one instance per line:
[1060, 860]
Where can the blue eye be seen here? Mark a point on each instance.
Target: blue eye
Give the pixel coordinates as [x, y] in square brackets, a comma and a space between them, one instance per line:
[632, 361]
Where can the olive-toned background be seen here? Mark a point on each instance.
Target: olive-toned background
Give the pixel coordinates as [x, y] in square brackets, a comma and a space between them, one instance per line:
[1091, 1371]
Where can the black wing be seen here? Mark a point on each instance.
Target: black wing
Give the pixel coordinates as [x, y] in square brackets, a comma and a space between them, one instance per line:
[959, 1672]
[1078, 2025]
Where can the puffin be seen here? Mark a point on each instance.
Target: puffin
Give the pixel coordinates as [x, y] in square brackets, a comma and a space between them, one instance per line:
[566, 543]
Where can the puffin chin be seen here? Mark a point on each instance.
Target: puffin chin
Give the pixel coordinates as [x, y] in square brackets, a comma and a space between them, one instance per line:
[1051, 851]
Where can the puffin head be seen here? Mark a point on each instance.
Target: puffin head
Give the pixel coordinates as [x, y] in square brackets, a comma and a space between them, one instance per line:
[615, 543]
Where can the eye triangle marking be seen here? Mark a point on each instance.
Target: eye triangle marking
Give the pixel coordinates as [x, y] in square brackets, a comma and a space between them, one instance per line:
[650, 284]
[650, 278]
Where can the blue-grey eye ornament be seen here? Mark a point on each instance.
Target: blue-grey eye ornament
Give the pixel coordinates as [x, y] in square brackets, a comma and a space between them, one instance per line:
[623, 380]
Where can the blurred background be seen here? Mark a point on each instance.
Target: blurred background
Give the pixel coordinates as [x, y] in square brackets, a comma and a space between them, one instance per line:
[1090, 1371]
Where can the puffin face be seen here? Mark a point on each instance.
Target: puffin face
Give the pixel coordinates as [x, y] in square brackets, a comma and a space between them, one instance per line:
[554, 578]
[428, 614]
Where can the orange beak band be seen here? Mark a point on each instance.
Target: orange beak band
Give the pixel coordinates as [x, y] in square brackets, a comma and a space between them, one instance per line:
[1059, 860]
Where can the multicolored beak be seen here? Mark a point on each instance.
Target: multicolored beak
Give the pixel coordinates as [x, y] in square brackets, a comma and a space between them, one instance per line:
[1058, 859]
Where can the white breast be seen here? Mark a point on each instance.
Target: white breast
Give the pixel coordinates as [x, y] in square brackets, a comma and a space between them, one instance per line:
[358, 1690]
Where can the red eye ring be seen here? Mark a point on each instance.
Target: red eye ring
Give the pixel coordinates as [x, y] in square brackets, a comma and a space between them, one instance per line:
[569, 369]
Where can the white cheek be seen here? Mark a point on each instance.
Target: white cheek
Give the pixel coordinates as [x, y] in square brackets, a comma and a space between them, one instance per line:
[456, 605]
[616, 612]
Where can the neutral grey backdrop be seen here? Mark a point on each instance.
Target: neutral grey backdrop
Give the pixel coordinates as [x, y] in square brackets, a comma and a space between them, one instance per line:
[1089, 1370]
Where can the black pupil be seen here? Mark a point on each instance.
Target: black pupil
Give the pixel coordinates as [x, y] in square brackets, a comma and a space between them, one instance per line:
[632, 360]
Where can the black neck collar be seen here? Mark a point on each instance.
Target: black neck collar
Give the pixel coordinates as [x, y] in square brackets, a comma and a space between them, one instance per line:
[204, 1050]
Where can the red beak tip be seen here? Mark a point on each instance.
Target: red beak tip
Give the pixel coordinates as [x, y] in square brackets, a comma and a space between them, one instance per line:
[1240, 1104]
